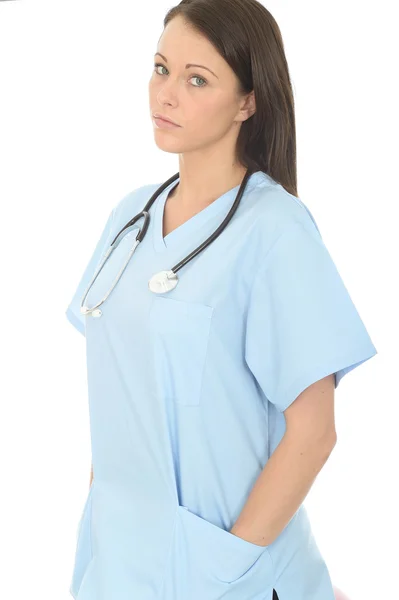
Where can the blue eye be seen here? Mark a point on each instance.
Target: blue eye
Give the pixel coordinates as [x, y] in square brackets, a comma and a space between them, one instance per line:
[156, 65]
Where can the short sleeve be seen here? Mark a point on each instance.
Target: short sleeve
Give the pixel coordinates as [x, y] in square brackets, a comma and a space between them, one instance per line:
[301, 323]
[73, 310]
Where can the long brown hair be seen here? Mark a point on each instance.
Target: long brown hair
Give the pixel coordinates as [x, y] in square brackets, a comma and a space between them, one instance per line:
[247, 36]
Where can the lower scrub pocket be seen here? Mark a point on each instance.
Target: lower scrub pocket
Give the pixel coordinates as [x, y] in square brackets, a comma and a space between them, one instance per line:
[209, 563]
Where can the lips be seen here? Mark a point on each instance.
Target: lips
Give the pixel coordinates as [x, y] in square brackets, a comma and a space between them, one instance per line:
[159, 116]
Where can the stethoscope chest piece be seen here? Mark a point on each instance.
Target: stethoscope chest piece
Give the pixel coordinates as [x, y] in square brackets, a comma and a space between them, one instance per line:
[163, 282]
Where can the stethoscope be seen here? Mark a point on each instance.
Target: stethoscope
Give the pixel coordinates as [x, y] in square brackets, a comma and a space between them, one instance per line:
[164, 281]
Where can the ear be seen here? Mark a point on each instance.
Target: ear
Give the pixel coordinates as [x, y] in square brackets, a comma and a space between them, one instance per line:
[249, 107]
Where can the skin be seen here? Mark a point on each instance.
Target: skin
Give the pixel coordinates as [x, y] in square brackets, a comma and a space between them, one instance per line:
[209, 111]
[210, 116]
[291, 470]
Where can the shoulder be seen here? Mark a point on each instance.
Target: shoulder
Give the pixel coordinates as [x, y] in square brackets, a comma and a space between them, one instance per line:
[272, 212]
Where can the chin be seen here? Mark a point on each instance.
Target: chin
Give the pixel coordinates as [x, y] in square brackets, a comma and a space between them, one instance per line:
[169, 145]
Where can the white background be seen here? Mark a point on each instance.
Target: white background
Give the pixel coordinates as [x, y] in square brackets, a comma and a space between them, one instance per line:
[75, 137]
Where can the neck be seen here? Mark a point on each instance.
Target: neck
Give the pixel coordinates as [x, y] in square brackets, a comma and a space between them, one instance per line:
[201, 183]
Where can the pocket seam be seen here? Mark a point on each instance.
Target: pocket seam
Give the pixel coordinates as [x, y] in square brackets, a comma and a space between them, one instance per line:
[244, 550]
[254, 549]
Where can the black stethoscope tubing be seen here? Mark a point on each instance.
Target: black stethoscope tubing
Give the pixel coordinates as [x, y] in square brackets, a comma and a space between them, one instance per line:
[146, 215]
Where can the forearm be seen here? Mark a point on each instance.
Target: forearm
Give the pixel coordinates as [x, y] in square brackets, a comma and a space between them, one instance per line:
[281, 488]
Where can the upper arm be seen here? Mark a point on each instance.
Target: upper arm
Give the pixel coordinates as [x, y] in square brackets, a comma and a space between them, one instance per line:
[312, 412]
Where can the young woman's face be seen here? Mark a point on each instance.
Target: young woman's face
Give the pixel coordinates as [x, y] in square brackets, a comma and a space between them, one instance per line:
[205, 104]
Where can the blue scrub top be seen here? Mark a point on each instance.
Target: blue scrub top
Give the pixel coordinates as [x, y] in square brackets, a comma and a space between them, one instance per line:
[187, 392]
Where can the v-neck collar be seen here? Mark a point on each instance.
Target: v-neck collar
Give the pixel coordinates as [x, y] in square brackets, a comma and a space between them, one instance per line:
[188, 228]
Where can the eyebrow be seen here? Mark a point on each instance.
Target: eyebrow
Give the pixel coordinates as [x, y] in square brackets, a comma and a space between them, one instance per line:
[188, 64]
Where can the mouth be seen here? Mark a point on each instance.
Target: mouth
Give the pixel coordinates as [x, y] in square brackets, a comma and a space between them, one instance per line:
[159, 117]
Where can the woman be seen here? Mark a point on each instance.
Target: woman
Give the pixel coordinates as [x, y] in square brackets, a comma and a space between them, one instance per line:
[212, 404]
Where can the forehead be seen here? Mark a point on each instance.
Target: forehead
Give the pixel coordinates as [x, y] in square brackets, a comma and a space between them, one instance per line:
[181, 42]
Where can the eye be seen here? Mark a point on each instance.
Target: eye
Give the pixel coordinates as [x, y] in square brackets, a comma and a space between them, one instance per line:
[156, 65]
[202, 79]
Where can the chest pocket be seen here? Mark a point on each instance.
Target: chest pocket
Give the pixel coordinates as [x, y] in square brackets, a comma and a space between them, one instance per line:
[180, 333]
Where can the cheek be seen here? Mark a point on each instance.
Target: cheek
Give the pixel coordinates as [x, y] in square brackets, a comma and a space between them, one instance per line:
[152, 88]
[206, 115]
